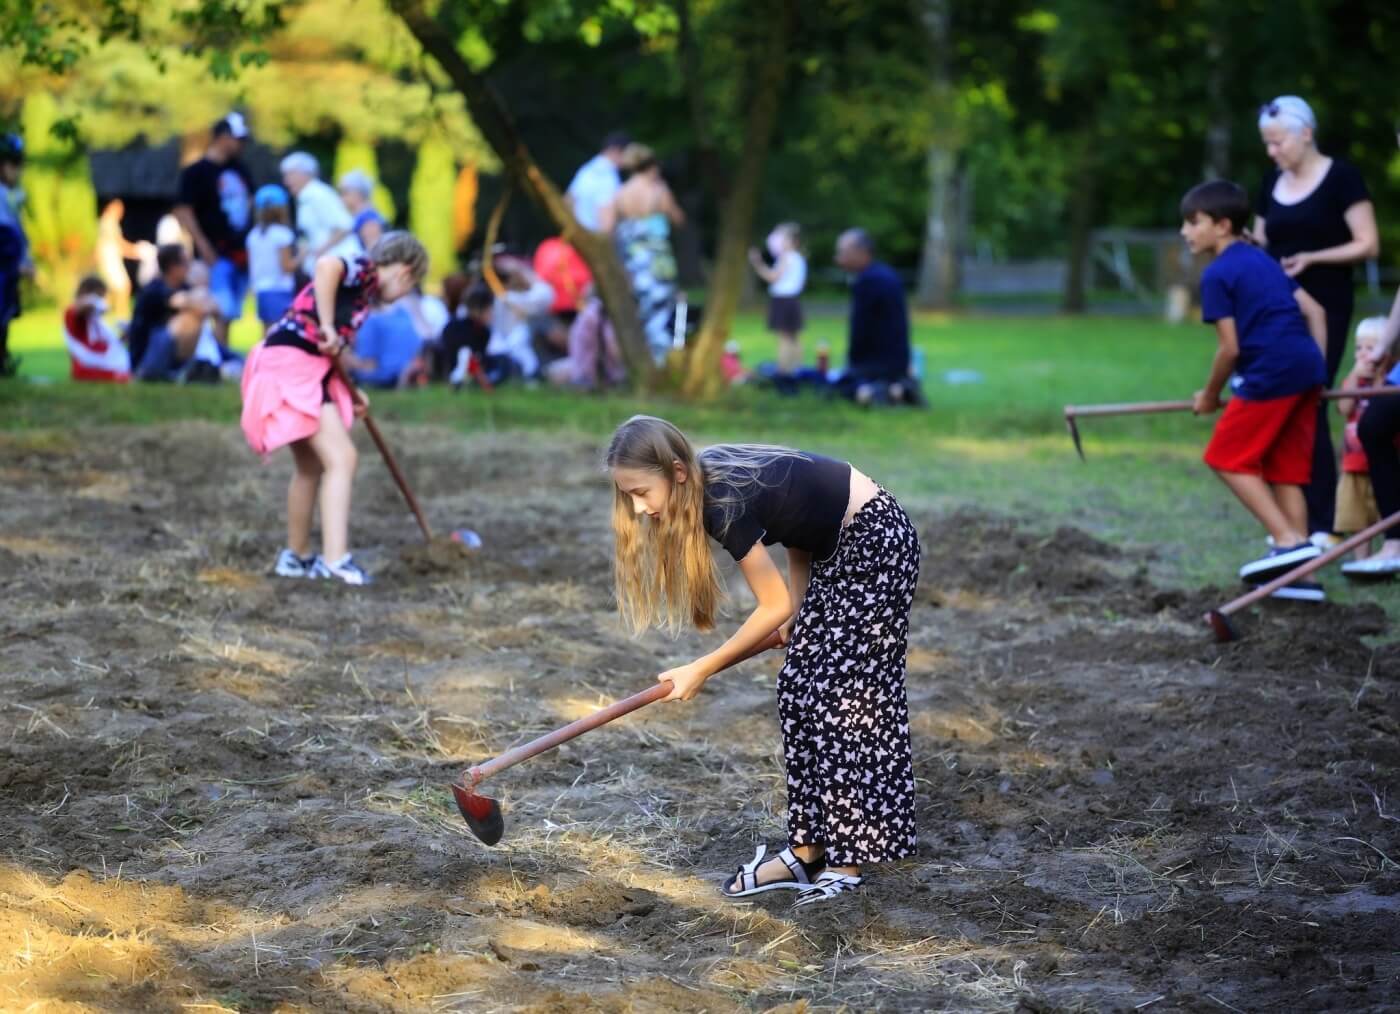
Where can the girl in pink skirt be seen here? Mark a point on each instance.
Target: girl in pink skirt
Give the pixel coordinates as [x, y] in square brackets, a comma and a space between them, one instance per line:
[293, 398]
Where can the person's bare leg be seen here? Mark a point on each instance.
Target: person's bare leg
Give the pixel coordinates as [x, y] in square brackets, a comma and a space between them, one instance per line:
[1295, 508]
[184, 332]
[1390, 549]
[338, 457]
[789, 352]
[1258, 498]
[301, 498]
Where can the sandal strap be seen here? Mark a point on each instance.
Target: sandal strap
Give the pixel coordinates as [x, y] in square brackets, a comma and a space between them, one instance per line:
[748, 873]
[794, 865]
[827, 885]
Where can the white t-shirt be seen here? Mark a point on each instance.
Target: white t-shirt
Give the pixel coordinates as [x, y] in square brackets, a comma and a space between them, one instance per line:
[592, 188]
[320, 212]
[793, 275]
[510, 325]
[265, 245]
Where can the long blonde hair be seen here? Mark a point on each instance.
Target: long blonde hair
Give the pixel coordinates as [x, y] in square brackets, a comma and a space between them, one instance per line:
[664, 571]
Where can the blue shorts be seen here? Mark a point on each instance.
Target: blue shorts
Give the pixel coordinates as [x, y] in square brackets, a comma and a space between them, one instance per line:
[273, 304]
[229, 286]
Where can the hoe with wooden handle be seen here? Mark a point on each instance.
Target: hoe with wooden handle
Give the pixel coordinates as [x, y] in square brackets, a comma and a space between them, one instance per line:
[1073, 413]
[1219, 619]
[483, 814]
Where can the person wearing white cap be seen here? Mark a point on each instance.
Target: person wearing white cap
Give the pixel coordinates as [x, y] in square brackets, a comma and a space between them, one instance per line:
[1314, 214]
[215, 205]
[323, 221]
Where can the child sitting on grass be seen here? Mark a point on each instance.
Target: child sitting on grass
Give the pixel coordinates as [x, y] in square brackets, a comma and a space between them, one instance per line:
[1356, 500]
[1271, 337]
[95, 353]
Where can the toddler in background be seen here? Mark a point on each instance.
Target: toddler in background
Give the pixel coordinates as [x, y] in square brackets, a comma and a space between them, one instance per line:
[1356, 500]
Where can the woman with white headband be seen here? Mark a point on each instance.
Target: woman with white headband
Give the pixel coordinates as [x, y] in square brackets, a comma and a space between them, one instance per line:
[1315, 215]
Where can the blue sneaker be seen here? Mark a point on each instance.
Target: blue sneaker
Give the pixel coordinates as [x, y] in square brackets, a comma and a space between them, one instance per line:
[1279, 560]
[290, 565]
[345, 569]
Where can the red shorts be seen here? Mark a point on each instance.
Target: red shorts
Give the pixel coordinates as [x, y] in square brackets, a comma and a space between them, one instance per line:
[1272, 439]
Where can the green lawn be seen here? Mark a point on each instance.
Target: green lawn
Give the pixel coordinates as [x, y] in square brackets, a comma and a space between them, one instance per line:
[998, 443]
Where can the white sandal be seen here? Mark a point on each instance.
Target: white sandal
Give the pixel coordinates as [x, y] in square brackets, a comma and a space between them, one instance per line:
[747, 875]
[828, 885]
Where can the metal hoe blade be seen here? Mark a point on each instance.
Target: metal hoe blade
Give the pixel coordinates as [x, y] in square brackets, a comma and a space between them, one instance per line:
[482, 814]
[1220, 623]
[1074, 435]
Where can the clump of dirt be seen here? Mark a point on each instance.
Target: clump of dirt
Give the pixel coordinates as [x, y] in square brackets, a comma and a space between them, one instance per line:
[443, 556]
[997, 556]
[218, 788]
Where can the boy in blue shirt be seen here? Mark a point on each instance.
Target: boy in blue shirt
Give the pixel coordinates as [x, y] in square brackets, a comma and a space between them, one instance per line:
[1271, 337]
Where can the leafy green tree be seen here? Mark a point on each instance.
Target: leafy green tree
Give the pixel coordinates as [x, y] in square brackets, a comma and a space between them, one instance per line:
[60, 210]
[430, 198]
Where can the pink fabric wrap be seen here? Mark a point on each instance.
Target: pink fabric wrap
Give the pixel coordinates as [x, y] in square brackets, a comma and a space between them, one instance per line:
[282, 396]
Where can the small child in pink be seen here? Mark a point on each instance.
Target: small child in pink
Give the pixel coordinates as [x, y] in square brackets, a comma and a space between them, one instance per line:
[293, 397]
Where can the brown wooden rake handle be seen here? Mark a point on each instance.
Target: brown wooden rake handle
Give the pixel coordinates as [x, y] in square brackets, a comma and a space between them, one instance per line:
[1125, 408]
[602, 716]
[1150, 407]
[1304, 569]
[385, 453]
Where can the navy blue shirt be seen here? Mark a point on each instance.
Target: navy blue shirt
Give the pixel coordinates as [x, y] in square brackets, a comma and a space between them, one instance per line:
[879, 344]
[1278, 356]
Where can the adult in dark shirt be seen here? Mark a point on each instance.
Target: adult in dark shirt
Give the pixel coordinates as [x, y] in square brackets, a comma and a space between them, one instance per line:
[166, 319]
[877, 360]
[215, 207]
[1315, 215]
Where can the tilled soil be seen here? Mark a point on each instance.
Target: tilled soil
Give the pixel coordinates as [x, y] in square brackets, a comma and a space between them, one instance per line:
[221, 789]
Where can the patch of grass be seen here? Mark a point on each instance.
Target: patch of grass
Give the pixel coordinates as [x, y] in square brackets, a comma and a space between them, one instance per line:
[995, 441]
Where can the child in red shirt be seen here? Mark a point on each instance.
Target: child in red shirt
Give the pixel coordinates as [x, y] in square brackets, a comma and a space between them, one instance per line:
[95, 353]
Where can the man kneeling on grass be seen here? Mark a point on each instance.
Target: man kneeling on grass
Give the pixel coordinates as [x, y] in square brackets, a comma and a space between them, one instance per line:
[1272, 335]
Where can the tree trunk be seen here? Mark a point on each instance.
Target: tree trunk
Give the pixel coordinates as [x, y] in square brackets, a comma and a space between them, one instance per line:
[1081, 226]
[489, 114]
[1217, 154]
[938, 266]
[702, 375]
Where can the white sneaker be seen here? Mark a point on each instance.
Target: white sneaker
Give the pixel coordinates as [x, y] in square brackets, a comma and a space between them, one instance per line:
[1301, 591]
[1323, 540]
[345, 569]
[1372, 566]
[290, 565]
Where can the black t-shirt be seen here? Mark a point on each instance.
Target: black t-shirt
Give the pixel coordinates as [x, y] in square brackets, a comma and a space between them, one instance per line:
[458, 334]
[150, 312]
[1317, 222]
[221, 195]
[798, 501]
